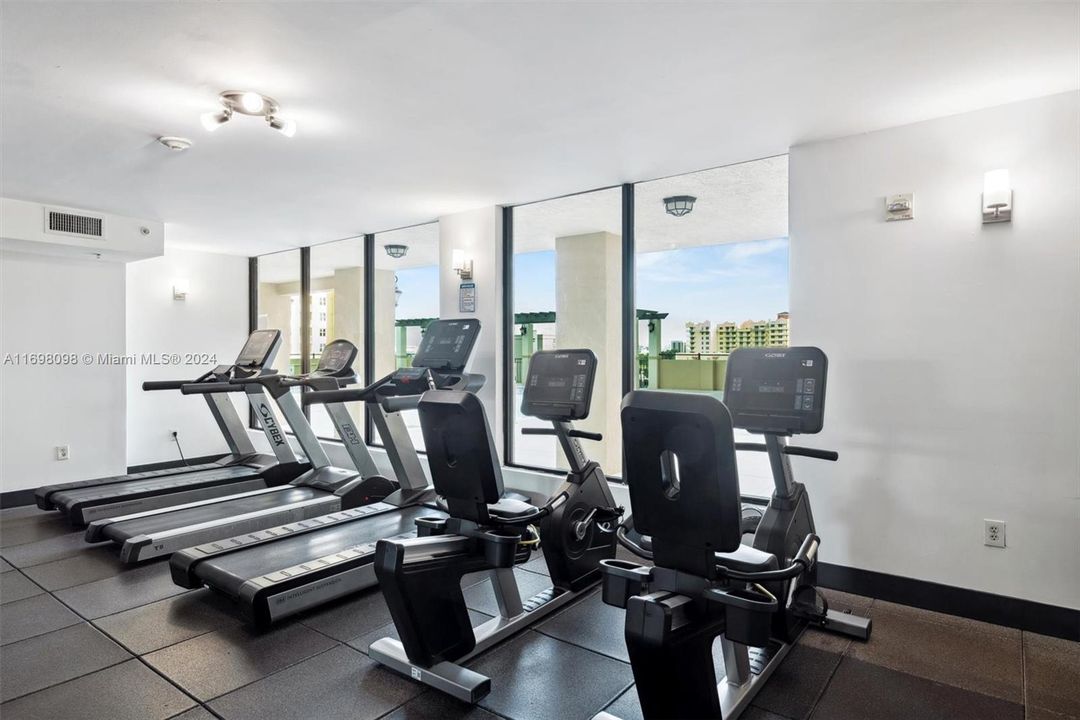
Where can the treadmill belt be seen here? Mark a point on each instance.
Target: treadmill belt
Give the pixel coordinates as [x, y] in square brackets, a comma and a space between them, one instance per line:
[125, 529]
[68, 498]
[231, 570]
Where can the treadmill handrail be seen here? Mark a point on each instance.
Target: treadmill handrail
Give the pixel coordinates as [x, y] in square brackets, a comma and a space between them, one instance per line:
[149, 385]
[210, 387]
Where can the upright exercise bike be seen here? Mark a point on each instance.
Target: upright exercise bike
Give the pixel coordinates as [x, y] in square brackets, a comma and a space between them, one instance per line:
[421, 577]
[705, 584]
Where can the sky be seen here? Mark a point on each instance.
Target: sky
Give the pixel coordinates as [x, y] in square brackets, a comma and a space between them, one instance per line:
[719, 283]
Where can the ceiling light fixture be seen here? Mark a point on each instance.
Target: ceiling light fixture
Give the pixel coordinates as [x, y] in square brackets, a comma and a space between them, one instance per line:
[679, 205]
[248, 103]
[174, 143]
[396, 251]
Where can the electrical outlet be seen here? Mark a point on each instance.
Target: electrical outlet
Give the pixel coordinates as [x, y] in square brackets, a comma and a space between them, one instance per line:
[63, 452]
[994, 533]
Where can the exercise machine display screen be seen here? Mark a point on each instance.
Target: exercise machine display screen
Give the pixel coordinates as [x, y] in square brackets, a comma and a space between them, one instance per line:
[559, 385]
[258, 348]
[337, 357]
[446, 345]
[780, 390]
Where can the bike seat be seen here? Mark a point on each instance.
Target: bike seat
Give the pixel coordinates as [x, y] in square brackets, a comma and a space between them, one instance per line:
[747, 559]
[510, 509]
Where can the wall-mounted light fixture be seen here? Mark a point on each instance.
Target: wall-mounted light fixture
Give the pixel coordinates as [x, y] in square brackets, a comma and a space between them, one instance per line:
[679, 205]
[462, 265]
[179, 289]
[248, 103]
[997, 197]
[899, 207]
[396, 251]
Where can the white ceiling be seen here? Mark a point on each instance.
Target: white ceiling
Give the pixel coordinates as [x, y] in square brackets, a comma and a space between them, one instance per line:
[411, 110]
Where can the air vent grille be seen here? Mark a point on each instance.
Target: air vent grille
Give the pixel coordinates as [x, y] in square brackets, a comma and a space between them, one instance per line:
[73, 224]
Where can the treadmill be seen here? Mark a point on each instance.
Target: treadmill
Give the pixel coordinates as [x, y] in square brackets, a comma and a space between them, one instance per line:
[281, 571]
[322, 489]
[241, 470]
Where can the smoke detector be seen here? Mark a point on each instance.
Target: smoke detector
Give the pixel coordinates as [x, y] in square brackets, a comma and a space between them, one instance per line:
[174, 143]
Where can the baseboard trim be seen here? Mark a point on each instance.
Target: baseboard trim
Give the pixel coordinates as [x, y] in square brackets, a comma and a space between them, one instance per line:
[974, 604]
[16, 498]
[146, 467]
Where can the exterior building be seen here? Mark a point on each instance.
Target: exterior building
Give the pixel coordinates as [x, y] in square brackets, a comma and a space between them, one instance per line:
[751, 333]
[700, 337]
[678, 346]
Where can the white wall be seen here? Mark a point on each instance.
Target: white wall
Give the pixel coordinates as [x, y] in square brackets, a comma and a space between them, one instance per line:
[954, 347]
[60, 305]
[212, 320]
[479, 234]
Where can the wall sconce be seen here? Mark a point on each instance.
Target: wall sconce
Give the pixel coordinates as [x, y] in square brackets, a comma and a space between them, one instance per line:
[179, 289]
[997, 200]
[899, 207]
[462, 265]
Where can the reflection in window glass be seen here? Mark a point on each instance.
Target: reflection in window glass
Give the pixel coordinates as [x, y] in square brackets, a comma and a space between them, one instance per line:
[406, 300]
[568, 294]
[337, 313]
[279, 307]
[712, 280]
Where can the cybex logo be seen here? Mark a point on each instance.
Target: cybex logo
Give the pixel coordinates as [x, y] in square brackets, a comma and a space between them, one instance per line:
[270, 424]
[775, 355]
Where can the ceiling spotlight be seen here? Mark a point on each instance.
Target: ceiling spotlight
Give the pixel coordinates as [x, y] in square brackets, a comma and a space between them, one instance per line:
[396, 251]
[679, 205]
[252, 102]
[211, 121]
[285, 127]
[174, 143]
[247, 102]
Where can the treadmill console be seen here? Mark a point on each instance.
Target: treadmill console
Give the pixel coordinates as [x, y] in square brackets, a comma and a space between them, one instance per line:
[336, 359]
[260, 348]
[446, 345]
[559, 386]
[777, 390]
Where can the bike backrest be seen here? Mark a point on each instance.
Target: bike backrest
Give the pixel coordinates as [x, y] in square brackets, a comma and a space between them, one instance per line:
[679, 452]
[461, 453]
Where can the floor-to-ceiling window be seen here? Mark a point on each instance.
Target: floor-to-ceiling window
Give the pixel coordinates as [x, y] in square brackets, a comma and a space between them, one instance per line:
[567, 293]
[406, 300]
[337, 313]
[278, 307]
[711, 275]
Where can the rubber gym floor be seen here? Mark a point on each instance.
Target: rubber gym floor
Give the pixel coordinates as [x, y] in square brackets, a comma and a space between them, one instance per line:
[83, 637]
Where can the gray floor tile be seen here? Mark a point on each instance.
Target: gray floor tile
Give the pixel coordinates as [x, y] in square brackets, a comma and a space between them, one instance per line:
[965, 653]
[592, 625]
[340, 683]
[538, 677]
[389, 630]
[350, 617]
[28, 524]
[1052, 671]
[93, 563]
[56, 657]
[128, 691]
[5, 566]
[166, 622]
[861, 690]
[797, 682]
[536, 565]
[43, 551]
[34, 616]
[481, 597]
[1032, 712]
[16, 586]
[219, 662]
[133, 587]
[434, 705]
[627, 707]
[195, 713]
